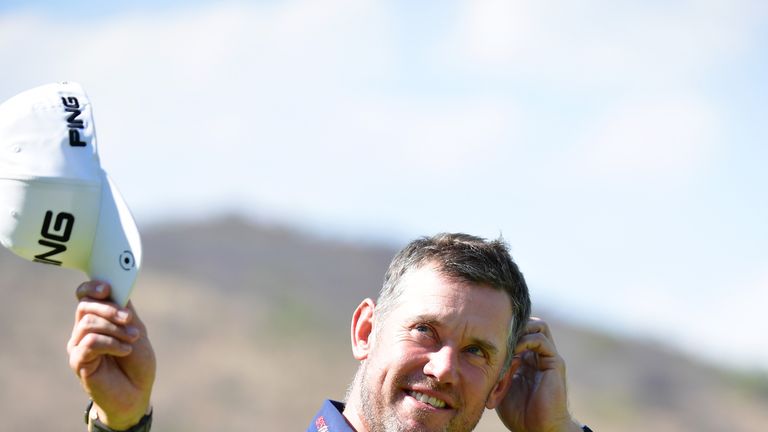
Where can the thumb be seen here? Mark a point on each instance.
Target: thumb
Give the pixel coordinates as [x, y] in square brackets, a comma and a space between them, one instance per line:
[95, 289]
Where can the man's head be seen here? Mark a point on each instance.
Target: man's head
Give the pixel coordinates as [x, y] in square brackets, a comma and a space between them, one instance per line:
[435, 348]
[466, 258]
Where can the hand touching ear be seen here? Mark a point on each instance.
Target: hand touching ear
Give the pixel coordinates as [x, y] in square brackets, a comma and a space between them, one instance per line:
[537, 400]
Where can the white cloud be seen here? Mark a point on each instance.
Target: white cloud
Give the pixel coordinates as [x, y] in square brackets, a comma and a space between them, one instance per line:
[437, 136]
[186, 92]
[650, 138]
[274, 105]
[495, 31]
[586, 44]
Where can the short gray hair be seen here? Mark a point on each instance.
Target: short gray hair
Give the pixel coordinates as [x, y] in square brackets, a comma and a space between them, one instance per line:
[466, 258]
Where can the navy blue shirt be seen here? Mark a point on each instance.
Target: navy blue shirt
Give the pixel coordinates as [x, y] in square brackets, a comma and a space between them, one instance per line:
[330, 419]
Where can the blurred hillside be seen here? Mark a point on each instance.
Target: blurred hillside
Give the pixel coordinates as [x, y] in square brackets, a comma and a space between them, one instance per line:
[250, 325]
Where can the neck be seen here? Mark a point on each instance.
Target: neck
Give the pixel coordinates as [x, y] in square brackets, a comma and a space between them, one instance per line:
[352, 412]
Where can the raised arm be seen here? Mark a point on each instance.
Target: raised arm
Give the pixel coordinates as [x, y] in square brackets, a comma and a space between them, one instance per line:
[110, 352]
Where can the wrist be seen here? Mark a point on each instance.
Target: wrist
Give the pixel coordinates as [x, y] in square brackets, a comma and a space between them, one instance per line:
[99, 421]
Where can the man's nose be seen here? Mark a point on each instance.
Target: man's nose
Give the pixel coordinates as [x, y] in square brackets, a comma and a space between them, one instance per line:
[442, 365]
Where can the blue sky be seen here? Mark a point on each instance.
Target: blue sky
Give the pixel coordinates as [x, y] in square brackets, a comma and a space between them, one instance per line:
[620, 150]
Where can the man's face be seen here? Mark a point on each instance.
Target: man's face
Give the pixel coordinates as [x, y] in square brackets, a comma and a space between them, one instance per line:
[435, 360]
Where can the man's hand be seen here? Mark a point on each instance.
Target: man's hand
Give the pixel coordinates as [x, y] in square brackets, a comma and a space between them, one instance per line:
[111, 354]
[536, 400]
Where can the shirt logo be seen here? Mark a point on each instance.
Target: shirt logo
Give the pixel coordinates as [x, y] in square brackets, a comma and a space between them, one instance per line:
[320, 424]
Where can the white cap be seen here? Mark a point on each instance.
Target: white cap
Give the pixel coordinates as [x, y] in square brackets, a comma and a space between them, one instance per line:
[57, 205]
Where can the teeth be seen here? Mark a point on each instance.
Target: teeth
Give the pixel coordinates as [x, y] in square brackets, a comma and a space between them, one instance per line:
[435, 402]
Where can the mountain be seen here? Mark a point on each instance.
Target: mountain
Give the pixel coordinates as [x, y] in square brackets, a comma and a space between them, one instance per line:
[250, 324]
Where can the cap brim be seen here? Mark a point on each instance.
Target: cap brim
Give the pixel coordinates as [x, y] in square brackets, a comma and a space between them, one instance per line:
[116, 253]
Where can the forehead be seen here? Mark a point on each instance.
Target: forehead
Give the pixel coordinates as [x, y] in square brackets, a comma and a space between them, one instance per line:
[428, 293]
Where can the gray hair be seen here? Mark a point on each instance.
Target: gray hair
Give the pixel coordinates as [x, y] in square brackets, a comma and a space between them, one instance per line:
[466, 258]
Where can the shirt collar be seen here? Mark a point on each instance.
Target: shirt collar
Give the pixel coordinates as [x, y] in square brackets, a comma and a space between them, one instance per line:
[330, 419]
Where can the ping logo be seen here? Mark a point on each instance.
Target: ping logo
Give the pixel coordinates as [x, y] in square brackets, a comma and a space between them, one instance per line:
[72, 106]
[55, 234]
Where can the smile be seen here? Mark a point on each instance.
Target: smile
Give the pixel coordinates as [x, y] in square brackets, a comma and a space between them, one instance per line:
[429, 400]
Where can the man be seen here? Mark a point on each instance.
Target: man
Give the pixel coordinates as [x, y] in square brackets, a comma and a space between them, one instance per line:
[448, 337]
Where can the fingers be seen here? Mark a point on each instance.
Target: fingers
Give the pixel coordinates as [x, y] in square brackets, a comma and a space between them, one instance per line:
[536, 342]
[536, 348]
[94, 299]
[106, 310]
[536, 337]
[538, 325]
[100, 291]
[85, 357]
[95, 324]
[101, 328]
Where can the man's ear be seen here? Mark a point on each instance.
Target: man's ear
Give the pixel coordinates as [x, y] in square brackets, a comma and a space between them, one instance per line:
[500, 390]
[362, 329]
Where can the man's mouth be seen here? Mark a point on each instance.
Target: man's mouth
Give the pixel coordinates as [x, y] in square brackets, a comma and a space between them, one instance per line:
[429, 400]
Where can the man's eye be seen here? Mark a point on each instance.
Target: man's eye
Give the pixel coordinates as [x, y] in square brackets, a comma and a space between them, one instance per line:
[476, 351]
[424, 329]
